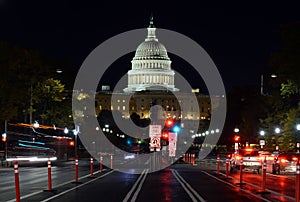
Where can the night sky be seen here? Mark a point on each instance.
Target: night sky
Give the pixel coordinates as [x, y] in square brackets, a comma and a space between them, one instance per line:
[239, 38]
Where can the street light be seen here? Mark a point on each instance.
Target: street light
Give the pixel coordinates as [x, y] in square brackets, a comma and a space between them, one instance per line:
[297, 138]
[262, 82]
[75, 132]
[262, 141]
[277, 131]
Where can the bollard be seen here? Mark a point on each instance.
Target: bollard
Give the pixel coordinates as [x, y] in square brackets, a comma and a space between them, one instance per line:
[92, 167]
[241, 173]
[227, 167]
[111, 161]
[49, 175]
[101, 159]
[218, 164]
[264, 177]
[297, 191]
[17, 182]
[76, 169]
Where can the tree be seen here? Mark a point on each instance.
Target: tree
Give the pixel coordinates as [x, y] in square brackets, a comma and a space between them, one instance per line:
[21, 72]
[47, 97]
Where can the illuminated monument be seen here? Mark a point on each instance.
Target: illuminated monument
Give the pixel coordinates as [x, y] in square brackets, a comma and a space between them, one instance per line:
[151, 66]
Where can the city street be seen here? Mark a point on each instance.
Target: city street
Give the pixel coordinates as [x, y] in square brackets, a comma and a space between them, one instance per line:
[179, 182]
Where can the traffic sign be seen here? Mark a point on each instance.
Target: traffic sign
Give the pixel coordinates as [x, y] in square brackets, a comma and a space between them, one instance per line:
[155, 131]
[172, 137]
[172, 152]
[155, 142]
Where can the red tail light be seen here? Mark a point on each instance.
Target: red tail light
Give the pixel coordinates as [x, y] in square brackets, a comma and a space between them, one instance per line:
[283, 160]
[238, 158]
[295, 159]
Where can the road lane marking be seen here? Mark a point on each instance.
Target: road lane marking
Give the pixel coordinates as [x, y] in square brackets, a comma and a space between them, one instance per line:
[187, 187]
[78, 186]
[228, 183]
[269, 190]
[142, 176]
[41, 191]
[140, 186]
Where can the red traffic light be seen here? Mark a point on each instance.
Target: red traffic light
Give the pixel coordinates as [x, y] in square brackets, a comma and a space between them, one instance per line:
[237, 138]
[165, 136]
[169, 122]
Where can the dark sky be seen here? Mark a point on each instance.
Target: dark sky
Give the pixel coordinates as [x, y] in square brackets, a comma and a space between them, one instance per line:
[239, 38]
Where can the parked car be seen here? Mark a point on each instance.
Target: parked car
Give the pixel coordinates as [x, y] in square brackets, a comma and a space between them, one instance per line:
[286, 162]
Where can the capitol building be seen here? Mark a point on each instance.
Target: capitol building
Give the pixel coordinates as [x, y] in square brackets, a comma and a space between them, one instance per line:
[151, 66]
[151, 80]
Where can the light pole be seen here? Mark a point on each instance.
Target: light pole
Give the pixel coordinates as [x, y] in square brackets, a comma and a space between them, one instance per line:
[262, 141]
[5, 131]
[262, 82]
[75, 132]
[277, 131]
[297, 137]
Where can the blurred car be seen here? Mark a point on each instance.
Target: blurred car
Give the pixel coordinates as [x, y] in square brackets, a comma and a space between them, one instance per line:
[285, 162]
[249, 156]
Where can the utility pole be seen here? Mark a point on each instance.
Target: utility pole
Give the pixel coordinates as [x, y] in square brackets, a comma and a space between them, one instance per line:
[5, 131]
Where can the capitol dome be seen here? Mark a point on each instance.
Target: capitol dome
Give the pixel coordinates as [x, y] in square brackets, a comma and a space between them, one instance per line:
[151, 50]
[151, 66]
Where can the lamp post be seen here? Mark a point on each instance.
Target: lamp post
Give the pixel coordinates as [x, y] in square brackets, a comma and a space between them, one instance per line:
[5, 131]
[262, 82]
[277, 131]
[75, 132]
[297, 137]
[262, 141]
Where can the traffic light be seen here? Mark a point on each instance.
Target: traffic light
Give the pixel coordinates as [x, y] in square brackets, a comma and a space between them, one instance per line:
[237, 138]
[165, 135]
[72, 143]
[176, 129]
[165, 138]
[169, 122]
[3, 137]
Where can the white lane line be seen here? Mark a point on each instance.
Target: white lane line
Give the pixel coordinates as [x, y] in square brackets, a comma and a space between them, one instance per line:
[186, 187]
[140, 187]
[133, 187]
[78, 186]
[37, 192]
[269, 190]
[248, 192]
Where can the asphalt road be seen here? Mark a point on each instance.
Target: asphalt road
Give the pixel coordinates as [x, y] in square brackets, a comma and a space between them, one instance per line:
[180, 182]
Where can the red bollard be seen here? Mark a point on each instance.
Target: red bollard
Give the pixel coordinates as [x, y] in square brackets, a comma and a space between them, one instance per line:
[101, 159]
[297, 189]
[193, 159]
[49, 175]
[241, 173]
[17, 182]
[111, 161]
[76, 169]
[264, 177]
[227, 167]
[218, 164]
[92, 167]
